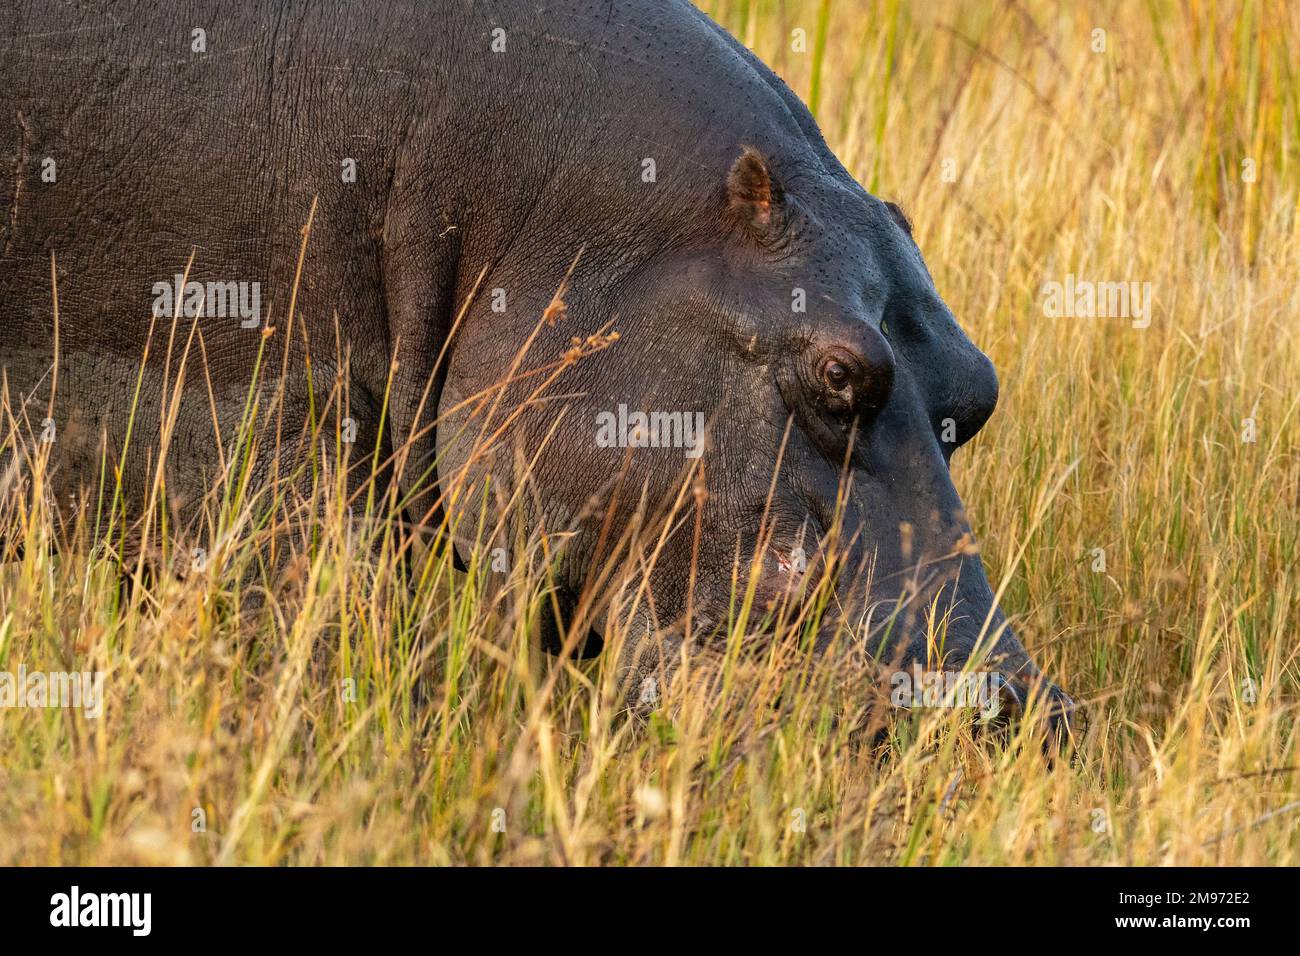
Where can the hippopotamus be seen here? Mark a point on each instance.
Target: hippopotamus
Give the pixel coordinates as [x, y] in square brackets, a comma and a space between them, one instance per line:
[590, 249]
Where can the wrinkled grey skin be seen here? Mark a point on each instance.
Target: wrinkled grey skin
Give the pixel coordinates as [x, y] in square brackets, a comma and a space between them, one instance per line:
[502, 165]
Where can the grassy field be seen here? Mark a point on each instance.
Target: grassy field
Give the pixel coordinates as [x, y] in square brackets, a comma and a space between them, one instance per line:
[1136, 494]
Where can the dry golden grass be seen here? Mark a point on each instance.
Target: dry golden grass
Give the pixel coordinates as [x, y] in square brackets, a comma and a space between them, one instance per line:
[1022, 155]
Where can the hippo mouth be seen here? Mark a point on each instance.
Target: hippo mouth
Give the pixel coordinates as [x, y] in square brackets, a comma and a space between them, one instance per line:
[965, 640]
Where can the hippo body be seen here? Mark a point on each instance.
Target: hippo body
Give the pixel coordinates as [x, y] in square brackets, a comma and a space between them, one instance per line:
[468, 161]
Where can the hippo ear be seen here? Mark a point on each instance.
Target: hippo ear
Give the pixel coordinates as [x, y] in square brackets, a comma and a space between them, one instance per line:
[755, 198]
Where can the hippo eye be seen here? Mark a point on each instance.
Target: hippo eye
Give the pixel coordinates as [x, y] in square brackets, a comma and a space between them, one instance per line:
[836, 375]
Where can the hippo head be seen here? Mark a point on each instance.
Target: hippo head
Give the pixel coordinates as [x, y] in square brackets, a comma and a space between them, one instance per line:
[805, 338]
